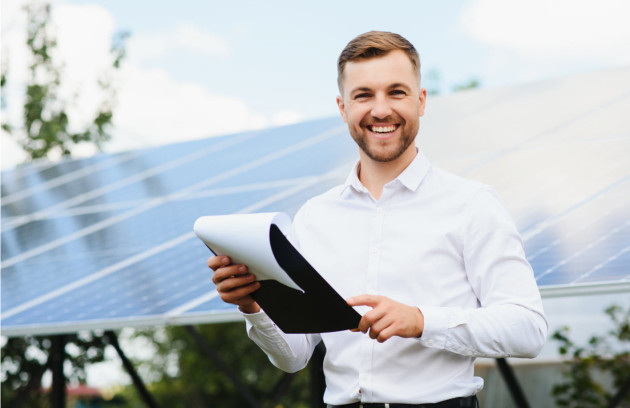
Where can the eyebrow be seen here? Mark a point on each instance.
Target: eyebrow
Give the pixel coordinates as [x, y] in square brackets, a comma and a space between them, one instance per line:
[390, 87]
[399, 85]
[360, 89]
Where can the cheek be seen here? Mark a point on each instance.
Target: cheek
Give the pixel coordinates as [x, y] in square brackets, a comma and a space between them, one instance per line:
[412, 112]
[356, 115]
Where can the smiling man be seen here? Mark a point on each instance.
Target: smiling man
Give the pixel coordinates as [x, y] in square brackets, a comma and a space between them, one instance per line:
[382, 112]
[433, 261]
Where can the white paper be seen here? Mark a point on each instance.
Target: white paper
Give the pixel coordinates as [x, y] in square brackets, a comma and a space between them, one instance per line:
[245, 238]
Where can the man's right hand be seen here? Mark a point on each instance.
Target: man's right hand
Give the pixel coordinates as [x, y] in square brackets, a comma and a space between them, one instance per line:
[234, 283]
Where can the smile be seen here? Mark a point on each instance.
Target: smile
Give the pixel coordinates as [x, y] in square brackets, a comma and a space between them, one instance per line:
[382, 129]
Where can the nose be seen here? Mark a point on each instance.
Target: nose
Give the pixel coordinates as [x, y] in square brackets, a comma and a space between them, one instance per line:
[381, 108]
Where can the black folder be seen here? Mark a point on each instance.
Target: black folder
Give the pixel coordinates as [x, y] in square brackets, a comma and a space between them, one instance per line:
[318, 309]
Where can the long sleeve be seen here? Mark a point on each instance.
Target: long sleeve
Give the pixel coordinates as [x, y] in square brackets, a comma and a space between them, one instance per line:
[433, 240]
[288, 352]
[510, 320]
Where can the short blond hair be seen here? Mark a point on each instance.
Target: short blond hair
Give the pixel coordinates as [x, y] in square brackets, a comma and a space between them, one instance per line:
[375, 44]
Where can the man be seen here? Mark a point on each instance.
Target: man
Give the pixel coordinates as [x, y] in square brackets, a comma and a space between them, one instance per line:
[433, 262]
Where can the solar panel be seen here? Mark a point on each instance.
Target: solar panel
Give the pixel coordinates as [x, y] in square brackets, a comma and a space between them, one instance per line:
[106, 242]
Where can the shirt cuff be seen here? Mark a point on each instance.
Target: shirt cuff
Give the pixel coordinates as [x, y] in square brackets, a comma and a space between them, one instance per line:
[259, 320]
[437, 321]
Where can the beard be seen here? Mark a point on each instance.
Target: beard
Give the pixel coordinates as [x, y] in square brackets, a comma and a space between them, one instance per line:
[385, 150]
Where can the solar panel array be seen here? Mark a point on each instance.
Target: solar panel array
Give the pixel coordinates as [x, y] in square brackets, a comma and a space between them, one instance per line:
[106, 242]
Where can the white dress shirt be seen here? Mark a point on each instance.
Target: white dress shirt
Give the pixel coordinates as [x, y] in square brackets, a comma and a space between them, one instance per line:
[434, 240]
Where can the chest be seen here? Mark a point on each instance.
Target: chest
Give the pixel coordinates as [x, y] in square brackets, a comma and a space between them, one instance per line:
[404, 252]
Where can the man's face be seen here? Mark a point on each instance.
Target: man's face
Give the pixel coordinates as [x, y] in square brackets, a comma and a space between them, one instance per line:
[382, 102]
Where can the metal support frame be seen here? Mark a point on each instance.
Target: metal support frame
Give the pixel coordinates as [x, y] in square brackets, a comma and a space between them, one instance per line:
[281, 387]
[137, 381]
[58, 356]
[208, 351]
[512, 383]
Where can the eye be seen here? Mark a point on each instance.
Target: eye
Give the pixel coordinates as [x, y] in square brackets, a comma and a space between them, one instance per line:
[398, 92]
[362, 95]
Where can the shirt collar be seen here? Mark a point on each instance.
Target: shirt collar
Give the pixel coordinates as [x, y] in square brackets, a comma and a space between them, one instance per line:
[411, 177]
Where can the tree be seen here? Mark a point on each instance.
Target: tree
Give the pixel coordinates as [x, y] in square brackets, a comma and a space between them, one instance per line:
[26, 359]
[472, 83]
[179, 367]
[432, 81]
[598, 374]
[46, 127]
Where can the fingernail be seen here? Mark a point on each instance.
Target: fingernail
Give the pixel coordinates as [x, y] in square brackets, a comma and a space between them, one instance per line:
[242, 268]
[225, 261]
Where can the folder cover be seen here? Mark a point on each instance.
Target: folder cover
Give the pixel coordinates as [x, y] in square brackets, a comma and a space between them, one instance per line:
[292, 293]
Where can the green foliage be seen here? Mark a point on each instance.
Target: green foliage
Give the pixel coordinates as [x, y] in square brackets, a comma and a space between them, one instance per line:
[606, 359]
[26, 359]
[471, 84]
[46, 130]
[179, 368]
[432, 81]
[46, 126]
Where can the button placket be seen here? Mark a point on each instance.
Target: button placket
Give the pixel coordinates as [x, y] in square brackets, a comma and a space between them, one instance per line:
[374, 254]
[374, 257]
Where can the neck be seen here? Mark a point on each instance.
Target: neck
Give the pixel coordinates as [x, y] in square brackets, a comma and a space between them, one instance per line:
[374, 175]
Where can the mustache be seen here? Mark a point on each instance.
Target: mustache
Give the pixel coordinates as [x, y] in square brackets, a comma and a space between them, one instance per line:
[392, 119]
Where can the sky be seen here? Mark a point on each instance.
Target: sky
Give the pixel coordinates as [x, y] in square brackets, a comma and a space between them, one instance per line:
[197, 69]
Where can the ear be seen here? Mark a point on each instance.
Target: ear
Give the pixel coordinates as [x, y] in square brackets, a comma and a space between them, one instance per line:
[423, 101]
[342, 108]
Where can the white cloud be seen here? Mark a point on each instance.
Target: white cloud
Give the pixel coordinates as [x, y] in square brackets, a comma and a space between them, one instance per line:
[287, 117]
[153, 108]
[183, 36]
[84, 35]
[559, 29]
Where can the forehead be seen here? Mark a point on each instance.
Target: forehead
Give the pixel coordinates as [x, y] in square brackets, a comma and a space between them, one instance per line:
[393, 67]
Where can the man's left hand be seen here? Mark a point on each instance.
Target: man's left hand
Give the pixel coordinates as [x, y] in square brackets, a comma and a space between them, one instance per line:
[388, 318]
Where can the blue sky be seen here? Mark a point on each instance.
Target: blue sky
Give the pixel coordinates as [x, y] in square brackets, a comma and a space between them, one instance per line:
[205, 68]
[202, 68]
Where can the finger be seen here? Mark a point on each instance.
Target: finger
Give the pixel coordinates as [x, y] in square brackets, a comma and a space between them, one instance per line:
[385, 334]
[234, 282]
[240, 293]
[369, 319]
[215, 262]
[364, 300]
[228, 272]
[378, 320]
[364, 325]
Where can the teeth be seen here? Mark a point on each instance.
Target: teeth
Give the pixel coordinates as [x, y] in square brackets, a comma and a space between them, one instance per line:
[383, 129]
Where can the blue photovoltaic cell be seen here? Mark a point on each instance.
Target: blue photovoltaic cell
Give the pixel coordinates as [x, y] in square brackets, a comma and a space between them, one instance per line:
[151, 287]
[40, 191]
[108, 241]
[118, 242]
[214, 305]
